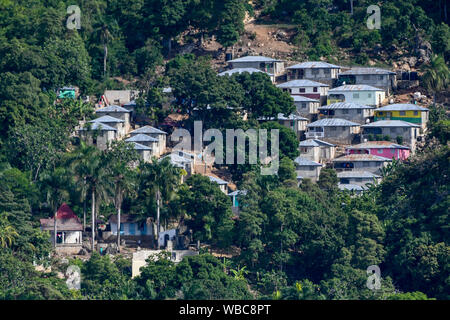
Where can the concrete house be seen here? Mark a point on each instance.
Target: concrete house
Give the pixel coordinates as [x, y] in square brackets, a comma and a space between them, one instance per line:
[144, 151]
[293, 121]
[307, 88]
[307, 107]
[385, 149]
[155, 133]
[349, 111]
[306, 168]
[360, 162]
[271, 66]
[334, 130]
[248, 70]
[69, 230]
[404, 111]
[98, 134]
[120, 97]
[379, 78]
[132, 228]
[116, 112]
[314, 70]
[353, 188]
[117, 123]
[357, 93]
[409, 132]
[181, 162]
[359, 178]
[223, 185]
[317, 150]
[148, 141]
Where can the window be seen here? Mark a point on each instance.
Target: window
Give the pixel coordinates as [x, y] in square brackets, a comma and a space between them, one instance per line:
[416, 113]
[402, 113]
[356, 96]
[315, 89]
[333, 128]
[359, 111]
[381, 78]
[301, 90]
[315, 72]
[303, 105]
[345, 111]
[366, 77]
[369, 95]
[380, 151]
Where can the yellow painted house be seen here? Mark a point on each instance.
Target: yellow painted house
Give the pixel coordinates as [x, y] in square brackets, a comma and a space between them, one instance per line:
[406, 112]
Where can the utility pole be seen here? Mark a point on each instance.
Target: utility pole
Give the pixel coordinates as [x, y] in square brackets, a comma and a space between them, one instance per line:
[54, 228]
[351, 7]
[158, 203]
[93, 219]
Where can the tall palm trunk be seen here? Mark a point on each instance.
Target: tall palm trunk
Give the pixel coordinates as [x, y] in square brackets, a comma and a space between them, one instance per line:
[93, 219]
[158, 205]
[54, 229]
[118, 228]
[105, 48]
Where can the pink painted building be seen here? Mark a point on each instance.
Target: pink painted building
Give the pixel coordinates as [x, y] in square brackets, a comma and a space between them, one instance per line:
[385, 149]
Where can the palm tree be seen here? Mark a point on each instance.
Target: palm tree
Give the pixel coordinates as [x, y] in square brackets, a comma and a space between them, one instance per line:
[160, 179]
[118, 159]
[55, 186]
[7, 233]
[90, 173]
[105, 31]
[436, 75]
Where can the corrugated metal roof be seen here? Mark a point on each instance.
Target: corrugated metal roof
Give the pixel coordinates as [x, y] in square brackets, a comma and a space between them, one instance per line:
[301, 83]
[390, 123]
[333, 122]
[314, 65]
[402, 107]
[254, 59]
[315, 143]
[98, 126]
[238, 193]
[176, 160]
[107, 119]
[357, 174]
[361, 157]
[112, 108]
[217, 180]
[292, 116]
[355, 87]
[241, 70]
[350, 187]
[357, 71]
[303, 99]
[148, 129]
[345, 105]
[138, 146]
[141, 138]
[306, 162]
[377, 145]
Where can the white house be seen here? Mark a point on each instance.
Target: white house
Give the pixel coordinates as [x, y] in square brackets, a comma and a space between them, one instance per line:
[349, 111]
[223, 185]
[268, 65]
[314, 70]
[359, 178]
[146, 140]
[155, 133]
[307, 88]
[98, 134]
[317, 150]
[379, 78]
[116, 112]
[117, 123]
[144, 151]
[357, 93]
[307, 107]
[306, 168]
[334, 130]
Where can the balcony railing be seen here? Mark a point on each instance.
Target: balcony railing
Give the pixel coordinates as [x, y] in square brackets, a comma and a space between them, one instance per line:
[314, 134]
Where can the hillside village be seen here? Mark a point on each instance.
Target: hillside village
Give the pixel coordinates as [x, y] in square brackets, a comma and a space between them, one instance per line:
[348, 119]
[224, 150]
